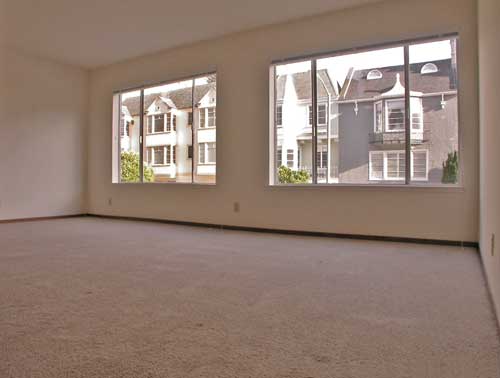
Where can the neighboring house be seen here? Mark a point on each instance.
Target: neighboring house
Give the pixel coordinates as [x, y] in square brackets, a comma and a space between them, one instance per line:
[294, 120]
[170, 127]
[361, 130]
[372, 122]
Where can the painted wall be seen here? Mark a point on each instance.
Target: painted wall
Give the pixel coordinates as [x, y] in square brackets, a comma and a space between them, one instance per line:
[42, 137]
[242, 62]
[489, 63]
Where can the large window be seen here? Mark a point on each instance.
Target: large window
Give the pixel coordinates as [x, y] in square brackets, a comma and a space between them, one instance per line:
[155, 129]
[374, 116]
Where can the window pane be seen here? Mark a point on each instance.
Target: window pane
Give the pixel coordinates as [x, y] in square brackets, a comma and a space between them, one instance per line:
[293, 92]
[204, 128]
[129, 136]
[364, 97]
[168, 107]
[434, 109]
[376, 166]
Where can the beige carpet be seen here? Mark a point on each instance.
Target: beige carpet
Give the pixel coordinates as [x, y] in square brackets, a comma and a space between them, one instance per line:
[90, 297]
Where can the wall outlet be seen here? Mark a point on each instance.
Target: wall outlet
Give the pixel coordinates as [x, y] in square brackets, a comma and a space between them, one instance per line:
[236, 207]
[110, 201]
[492, 244]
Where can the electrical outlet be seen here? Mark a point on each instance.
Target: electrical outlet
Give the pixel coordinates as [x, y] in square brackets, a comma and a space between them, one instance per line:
[236, 207]
[492, 244]
[110, 201]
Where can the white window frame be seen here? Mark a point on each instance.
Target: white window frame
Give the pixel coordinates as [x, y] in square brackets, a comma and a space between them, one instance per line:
[386, 115]
[384, 174]
[279, 119]
[152, 119]
[204, 146]
[426, 165]
[309, 114]
[382, 121]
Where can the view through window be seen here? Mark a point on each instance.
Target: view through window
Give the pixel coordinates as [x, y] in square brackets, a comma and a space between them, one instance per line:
[167, 133]
[378, 116]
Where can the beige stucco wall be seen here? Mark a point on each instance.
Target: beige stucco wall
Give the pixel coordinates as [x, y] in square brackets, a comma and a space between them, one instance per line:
[42, 136]
[242, 62]
[489, 66]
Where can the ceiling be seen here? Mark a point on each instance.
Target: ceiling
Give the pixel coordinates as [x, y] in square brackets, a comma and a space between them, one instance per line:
[91, 33]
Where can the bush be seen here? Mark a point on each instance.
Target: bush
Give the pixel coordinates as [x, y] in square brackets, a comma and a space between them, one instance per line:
[450, 169]
[288, 176]
[129, 166]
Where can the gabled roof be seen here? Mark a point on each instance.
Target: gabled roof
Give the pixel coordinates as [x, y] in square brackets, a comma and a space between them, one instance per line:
[358, 87]
[302, 84]
[181, 98]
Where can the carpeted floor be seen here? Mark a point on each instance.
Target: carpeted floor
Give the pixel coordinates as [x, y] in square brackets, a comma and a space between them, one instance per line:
[89, 297]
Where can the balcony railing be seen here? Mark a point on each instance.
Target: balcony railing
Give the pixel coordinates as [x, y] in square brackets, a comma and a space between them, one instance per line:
[398, 137]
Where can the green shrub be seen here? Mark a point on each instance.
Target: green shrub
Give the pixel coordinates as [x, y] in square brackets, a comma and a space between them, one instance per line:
[129, 166]
[450, 169]
[288, 176]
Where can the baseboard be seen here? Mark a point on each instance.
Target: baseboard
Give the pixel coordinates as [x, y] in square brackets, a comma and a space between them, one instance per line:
[33, 219]
[493, 303]
[396, 239]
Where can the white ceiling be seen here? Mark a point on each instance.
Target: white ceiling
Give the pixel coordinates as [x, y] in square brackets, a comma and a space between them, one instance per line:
[90, 33]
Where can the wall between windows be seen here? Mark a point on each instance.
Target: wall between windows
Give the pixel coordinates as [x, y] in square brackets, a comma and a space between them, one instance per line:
[242, 62]
[489, 63]
[42, 136]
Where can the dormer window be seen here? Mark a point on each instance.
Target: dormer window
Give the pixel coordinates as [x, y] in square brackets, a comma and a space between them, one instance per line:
[374, 75]
[429, 68]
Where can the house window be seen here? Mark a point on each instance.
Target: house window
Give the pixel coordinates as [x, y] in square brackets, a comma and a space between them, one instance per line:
[391, 165]
[279, 115]
[395, 115]
[395, 163]
[322, 157]
[149, 154]
[203, 117]
[419, 165]
[211, 117]
[158, 123]
[429, 68]
[289, 158]
[379, 114]
[374, 75]
[207, 153]
[376, 165]
[322, 114]
[279, 157]
[169, 122]
[159, 155]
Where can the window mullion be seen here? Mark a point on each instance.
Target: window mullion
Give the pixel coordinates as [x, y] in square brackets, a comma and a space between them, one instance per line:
[407, 115]
[314, 126]
[193, 123]
[141, 139]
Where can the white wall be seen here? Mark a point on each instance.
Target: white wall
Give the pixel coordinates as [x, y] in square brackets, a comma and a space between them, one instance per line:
[42, 137]
[489, 67]
[242, 62]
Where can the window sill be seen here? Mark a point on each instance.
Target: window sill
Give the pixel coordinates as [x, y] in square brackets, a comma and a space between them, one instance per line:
[426, 187]
[164, 183]
[160, 133]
